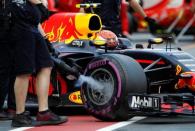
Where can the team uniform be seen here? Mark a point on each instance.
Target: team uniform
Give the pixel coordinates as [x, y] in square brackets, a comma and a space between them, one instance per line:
[30, 49]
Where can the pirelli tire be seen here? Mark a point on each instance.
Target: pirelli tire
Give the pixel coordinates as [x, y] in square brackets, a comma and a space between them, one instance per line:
[119, 75]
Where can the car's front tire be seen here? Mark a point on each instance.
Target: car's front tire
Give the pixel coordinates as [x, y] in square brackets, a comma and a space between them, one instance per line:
[117, 76]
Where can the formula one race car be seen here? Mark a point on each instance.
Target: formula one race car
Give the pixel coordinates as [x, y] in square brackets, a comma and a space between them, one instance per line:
[110, 77]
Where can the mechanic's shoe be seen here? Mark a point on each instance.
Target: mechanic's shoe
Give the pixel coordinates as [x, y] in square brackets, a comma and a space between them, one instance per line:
[49, 118]
[23, 120]
[4, 115]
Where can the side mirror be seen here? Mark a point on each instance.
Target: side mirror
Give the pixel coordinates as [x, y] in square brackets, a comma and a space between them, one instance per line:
[154, 41]
[139, 46]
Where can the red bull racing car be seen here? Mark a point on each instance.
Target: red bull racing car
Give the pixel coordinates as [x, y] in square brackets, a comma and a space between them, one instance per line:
[110, 77]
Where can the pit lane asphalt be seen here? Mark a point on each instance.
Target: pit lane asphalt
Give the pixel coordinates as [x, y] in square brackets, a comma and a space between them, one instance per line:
[137, 123]
[85, 122]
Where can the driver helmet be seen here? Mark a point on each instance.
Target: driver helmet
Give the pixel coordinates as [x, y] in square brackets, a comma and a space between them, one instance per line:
[110, 37]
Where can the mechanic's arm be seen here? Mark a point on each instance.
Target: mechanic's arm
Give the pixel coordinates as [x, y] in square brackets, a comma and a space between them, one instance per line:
[44, 2]
[136, 6]
[35, 1]
[48, 43]
[42, 5]
[41, 30]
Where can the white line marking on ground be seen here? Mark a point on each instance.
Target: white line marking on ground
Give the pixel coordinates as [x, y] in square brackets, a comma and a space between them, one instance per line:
[121, 124]
[21, 129]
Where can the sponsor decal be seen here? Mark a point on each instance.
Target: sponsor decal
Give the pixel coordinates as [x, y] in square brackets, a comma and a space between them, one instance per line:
[137, 102]
[97, 64]
[66, 27]
[77, 43]
[75, 97]
[63, 29]
[178, 69]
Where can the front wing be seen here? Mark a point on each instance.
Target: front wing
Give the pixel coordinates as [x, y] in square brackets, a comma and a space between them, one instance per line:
[153, 104]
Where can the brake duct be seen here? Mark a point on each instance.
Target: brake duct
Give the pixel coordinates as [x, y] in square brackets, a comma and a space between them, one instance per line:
[186, 79]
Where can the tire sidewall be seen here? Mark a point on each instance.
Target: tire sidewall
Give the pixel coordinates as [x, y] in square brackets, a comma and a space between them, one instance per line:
[111, 66]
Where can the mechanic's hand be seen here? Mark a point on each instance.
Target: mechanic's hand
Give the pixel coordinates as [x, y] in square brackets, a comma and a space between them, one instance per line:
[149, 20]
[152, 24]
[52, 50]
[44, 12]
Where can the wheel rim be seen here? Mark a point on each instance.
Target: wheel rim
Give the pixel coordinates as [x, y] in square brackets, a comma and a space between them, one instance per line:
[104, 93]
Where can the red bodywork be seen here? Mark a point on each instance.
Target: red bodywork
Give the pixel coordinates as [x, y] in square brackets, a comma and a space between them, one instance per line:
[61, 29]
[62, 83]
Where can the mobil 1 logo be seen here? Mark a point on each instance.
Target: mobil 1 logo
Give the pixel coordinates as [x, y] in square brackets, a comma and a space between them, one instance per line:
[138, 102]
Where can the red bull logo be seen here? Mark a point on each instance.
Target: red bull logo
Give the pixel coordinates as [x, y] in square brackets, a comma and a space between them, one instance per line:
[75, 97]
[65, 27]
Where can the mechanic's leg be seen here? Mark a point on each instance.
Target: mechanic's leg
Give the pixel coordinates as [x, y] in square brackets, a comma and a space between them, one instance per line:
[4, 76]
[11, 97]
[44, 65]
[42, 87]
[4, 82]
[20, 89]
[11, 103]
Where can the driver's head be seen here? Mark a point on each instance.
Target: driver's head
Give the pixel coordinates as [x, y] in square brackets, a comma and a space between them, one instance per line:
[110, 37]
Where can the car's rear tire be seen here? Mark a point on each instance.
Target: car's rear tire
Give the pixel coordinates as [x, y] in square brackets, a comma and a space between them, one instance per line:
[120, 75]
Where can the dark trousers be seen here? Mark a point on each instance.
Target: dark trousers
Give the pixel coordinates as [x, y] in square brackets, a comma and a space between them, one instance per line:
[6, 76]
[114, 26]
